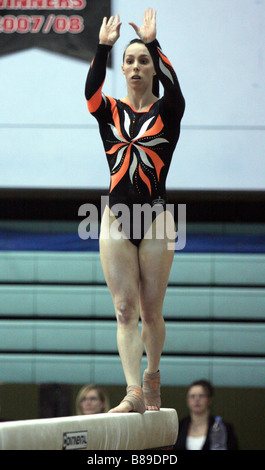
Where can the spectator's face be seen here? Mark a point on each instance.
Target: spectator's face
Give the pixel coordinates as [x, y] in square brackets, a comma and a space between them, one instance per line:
[198, 400]
[91, 403]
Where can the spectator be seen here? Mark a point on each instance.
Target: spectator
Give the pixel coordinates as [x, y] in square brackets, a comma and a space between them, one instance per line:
[194, 429]
[91, 399]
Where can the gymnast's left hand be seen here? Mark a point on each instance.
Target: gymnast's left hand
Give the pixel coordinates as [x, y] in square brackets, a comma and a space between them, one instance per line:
[147, 32]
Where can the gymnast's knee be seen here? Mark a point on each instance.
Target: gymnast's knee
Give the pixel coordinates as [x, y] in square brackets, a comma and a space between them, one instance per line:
[126, 312]
[150, 318]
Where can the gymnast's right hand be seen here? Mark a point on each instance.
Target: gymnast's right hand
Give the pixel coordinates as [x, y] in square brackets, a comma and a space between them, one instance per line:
[110, 30]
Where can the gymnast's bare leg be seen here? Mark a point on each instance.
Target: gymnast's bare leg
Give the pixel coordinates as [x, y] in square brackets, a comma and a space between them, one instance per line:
[137, 280]
[155, 260]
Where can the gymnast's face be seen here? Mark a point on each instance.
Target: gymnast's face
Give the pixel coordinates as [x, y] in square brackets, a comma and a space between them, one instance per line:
[138, 67]
[91, 403]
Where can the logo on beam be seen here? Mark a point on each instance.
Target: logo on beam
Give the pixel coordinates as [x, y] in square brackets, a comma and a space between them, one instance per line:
[75, 440]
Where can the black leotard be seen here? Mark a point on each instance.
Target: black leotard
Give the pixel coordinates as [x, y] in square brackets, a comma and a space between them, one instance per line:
[138, 145]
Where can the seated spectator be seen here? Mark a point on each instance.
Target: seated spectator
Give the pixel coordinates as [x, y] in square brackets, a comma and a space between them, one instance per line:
[91, 399]
[194, 429]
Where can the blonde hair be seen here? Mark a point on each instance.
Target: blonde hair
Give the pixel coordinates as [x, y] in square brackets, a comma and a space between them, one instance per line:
[101, 393]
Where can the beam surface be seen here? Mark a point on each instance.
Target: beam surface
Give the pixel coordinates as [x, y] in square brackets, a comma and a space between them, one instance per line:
[107, 431]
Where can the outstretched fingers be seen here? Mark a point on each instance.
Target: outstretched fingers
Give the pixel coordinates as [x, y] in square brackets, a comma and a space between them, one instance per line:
[147, 32]
[149, 14]
[110, 30]
[113, 20]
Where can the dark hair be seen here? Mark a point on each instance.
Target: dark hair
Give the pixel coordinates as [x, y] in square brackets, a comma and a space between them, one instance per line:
[205, 384]
[155, 88]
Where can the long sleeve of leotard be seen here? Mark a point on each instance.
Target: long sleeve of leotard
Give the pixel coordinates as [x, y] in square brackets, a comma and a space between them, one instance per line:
[167, 77]
[96, 77]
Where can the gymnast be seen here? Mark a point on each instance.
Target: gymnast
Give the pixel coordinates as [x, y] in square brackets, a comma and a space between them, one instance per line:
[139, 134]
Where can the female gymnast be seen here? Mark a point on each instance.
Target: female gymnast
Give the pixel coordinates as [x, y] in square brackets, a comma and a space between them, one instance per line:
[139, 134]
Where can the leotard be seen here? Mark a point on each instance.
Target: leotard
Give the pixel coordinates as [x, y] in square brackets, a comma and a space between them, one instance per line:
[138, 145]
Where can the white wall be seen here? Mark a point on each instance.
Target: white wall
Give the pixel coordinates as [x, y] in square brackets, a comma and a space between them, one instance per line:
[48, 138]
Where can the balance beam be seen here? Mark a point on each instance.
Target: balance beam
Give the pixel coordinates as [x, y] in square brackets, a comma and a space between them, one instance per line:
[106, 431]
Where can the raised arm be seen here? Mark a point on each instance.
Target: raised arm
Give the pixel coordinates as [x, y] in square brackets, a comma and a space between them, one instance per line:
[163, 67]
[108, 35]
